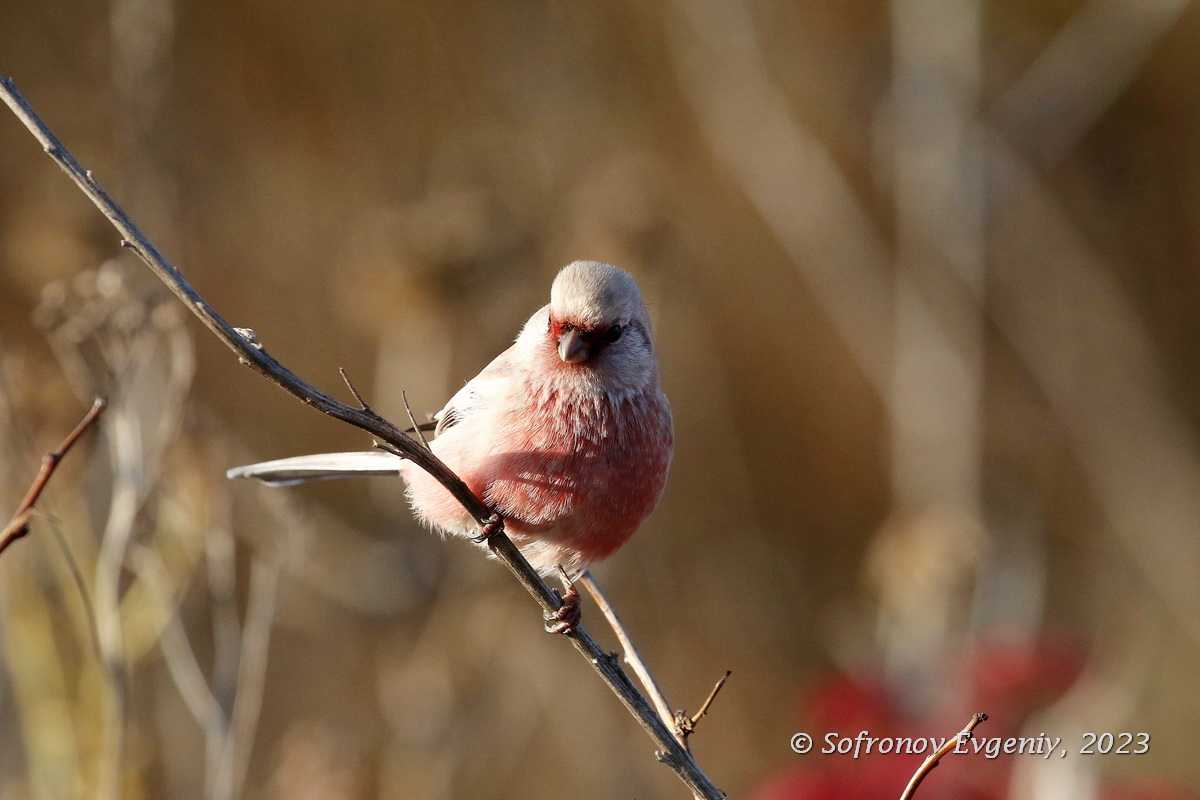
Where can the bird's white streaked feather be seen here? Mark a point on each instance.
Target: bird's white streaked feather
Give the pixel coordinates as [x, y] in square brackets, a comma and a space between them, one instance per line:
[321, 466]
[490, 381]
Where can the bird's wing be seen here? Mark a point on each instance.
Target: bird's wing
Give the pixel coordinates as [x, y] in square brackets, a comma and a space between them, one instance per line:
[322, 466]
[487, 384]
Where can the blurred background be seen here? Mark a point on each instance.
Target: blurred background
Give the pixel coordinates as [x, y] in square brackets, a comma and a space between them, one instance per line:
[924, 276]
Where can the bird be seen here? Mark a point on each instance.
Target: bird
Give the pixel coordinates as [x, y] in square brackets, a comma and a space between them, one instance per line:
[567, 434]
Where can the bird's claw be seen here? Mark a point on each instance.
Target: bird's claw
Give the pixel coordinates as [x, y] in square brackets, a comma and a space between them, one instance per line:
[566, 619]
[493, 526]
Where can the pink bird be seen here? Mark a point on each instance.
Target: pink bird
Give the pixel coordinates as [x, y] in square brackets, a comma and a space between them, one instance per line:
[566, 433]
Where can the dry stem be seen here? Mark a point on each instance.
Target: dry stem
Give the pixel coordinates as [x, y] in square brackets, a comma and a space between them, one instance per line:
[18, 526]
[632, 656]
[679, 722]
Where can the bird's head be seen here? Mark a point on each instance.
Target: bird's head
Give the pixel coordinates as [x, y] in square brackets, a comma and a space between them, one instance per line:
[596, 309]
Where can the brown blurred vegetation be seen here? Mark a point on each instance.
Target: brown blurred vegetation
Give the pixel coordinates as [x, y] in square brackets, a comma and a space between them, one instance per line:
[924, 275]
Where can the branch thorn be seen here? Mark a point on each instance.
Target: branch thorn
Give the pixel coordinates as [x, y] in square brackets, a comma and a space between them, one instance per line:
[416, 428]
[688, 724]
[387, 448]
[363, 404]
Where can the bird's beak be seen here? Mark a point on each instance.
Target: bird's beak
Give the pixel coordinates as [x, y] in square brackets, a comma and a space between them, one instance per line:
[572, 348]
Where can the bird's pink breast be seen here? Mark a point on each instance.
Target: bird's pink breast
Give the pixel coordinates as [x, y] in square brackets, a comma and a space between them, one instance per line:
[573, 472]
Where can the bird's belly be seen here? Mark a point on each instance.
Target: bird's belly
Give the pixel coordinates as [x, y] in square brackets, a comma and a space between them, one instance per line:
[581, 478]
[573, 482]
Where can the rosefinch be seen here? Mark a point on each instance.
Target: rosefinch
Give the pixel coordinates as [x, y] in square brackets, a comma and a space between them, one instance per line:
[566, 433]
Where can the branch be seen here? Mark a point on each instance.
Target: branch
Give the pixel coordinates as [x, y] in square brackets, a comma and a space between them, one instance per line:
[250, 352]
[680, 723]
[632, 656]
[18, 526]
[933, 760]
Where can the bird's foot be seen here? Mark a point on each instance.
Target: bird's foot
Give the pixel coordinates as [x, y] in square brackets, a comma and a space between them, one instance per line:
[566, 619]
[494, 525]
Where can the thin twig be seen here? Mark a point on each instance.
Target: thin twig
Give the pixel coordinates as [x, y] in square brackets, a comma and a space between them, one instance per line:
[18, 526]
[680, 723]
[357, 396]
[253, 354]
[688, 724]
[932, 761]
[415, 426]
[633, 657]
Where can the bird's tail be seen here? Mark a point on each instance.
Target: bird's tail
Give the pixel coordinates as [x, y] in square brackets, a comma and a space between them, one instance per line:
[319, 467]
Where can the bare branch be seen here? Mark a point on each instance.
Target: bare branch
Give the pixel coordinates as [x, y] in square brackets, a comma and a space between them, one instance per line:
[933, 760]
[251, 352]
[633, 656]
[18, 526]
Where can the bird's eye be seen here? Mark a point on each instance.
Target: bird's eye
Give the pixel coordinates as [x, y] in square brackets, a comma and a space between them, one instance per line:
[614, 332]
